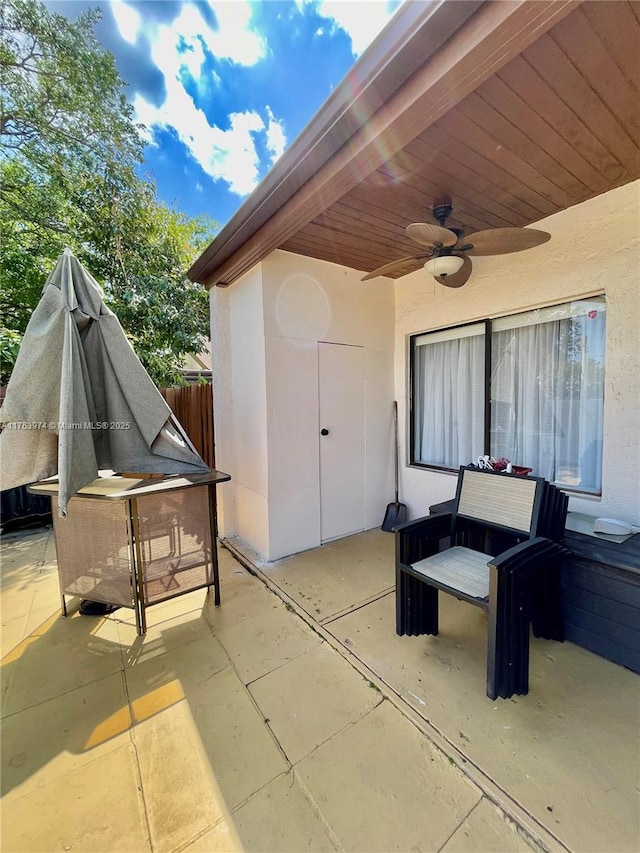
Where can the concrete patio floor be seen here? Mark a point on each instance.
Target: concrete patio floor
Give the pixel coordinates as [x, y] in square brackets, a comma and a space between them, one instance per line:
[293, 718]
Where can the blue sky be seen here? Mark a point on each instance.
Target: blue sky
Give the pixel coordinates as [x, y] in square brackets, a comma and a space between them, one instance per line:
[224, 88]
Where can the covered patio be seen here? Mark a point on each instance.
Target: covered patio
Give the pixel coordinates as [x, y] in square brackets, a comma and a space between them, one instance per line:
[292, 717]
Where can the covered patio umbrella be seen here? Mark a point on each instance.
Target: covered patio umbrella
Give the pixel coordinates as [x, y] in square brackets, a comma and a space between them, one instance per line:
[79, 400]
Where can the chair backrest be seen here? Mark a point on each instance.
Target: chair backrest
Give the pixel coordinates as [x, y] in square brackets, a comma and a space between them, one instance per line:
[506, 502]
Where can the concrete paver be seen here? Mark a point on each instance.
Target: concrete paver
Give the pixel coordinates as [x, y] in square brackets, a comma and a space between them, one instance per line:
[201, 757]
[278, 819]
[382, 786]
[56, 658]
[337, 577]
[97, 807]
[190, 663]
[244, 727]
[48, 740]
[265, 642]
[245, 597]
[311, 698]
[565, 748]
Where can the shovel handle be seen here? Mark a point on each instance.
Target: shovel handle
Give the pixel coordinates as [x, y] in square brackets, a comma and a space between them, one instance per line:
[395, 436]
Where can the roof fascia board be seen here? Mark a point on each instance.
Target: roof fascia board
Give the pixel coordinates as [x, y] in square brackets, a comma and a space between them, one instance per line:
[495, 34]
[372, 80]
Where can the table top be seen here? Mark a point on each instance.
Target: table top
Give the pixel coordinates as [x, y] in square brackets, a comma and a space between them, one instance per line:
[112, 486]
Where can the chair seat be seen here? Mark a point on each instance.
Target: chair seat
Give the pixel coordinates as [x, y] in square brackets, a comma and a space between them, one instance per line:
[460, 569]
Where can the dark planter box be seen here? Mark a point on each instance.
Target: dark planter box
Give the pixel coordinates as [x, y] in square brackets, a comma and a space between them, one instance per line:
[601, 597]
[21, 509]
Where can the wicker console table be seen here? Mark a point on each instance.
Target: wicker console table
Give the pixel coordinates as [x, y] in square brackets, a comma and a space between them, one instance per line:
[137, 542]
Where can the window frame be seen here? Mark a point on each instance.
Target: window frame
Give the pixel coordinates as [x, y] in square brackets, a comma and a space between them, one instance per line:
[488, 338]
[413, 463]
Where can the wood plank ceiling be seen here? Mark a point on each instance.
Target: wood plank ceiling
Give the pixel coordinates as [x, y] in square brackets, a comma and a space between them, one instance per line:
[512, 111]
[557, 125]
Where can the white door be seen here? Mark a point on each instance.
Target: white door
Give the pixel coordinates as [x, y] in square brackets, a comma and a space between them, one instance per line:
[342, 437]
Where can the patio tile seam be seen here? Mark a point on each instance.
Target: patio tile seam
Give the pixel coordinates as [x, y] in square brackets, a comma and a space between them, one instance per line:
[230, 664]
[139, 778]
[317, 810]
[247, 684]
[8, 716]
[354, 607]
[330, 737]
[222, 818]
[512, 823]
[39, 785]
[536, 832]
[466, 817]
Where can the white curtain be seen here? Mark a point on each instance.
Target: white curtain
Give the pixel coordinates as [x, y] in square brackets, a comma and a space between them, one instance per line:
[449, 401]
[547, 390]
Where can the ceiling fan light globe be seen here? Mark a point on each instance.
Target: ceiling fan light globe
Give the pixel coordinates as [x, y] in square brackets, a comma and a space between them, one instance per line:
[444, 265]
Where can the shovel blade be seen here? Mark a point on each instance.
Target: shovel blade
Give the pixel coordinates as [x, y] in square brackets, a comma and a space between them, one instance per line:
[396, 514]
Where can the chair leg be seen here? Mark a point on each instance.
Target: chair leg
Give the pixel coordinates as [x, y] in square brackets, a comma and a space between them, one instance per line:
[416, 606]
[400, 594]
[546, 616]
[508, 637]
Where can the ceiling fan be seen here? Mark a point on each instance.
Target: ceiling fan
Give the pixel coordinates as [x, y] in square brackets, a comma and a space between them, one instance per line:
[447, 250]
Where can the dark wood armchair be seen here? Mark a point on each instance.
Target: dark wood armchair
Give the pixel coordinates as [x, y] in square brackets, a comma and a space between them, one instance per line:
[499, 548]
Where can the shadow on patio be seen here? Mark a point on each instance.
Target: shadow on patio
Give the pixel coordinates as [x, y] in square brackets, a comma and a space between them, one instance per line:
[298, 720]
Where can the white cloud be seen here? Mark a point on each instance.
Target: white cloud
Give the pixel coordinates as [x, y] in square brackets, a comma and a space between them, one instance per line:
[127, 20]
[276, 137]
[179, 52]
[362, 20]
[234, 40]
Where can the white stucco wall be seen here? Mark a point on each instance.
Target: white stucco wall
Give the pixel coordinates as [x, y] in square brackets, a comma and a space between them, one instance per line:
[265, 333]
[240, 409]
[594, 248]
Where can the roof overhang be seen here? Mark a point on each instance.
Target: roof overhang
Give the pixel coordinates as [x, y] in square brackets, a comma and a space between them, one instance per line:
[513, 109]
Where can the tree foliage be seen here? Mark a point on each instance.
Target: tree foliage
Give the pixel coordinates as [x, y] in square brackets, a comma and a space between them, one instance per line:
[61, 92]
[68, 178]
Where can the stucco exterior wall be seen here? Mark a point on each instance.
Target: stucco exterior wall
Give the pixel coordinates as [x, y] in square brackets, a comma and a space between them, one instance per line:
[265, 333]
[595, 248]
[240, 409]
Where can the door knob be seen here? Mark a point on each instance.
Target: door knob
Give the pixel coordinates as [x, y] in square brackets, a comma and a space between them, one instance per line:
[324, 431]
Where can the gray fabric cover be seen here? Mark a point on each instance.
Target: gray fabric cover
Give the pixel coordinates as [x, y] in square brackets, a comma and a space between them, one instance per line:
[76, 368]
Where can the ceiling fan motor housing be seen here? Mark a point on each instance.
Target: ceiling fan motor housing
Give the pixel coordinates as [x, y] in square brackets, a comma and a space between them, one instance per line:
[441, 212]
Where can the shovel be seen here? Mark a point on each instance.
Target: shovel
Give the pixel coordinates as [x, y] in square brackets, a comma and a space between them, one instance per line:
[396, 512]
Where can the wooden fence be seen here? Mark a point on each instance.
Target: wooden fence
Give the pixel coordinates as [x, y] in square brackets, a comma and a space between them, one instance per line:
[193, 407]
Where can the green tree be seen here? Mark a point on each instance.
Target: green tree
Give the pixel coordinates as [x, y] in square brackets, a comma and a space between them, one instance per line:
[62, 96]
[70, 148]
[140, 249]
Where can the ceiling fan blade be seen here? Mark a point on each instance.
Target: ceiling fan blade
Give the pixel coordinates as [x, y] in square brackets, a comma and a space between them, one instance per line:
[394, 266]
[502, 241]
[431, 235]
[458, 278]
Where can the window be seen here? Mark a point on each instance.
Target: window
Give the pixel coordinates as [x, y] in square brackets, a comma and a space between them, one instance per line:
[529, 387]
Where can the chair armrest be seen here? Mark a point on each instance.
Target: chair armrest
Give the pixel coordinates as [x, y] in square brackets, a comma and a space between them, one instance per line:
[421, 537]
[533, 549]
[426, 522]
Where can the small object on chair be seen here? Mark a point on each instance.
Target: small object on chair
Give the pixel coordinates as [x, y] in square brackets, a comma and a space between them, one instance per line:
[96, 608]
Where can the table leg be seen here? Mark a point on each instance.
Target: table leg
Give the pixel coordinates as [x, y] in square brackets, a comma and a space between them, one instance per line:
[213, 528]
[137, 579]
